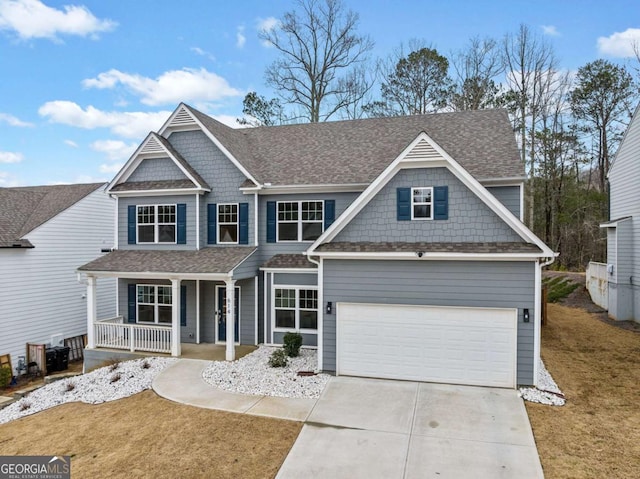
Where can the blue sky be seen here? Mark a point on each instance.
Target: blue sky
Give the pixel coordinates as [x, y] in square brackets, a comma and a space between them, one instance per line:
[82, 82]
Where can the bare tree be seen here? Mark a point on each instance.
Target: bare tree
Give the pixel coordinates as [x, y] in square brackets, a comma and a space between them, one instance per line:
[476, 68]
[529, 62]
[318, 45]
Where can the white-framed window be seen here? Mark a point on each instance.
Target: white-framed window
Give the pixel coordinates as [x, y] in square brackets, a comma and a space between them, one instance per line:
[422, 203]
[295, 308]
[228, 223]
[154, 303]
[300, 220]
[156, 223]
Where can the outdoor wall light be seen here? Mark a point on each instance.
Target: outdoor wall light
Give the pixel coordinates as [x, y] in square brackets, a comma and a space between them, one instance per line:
[525, 315]
[329, 307]
[420, 253]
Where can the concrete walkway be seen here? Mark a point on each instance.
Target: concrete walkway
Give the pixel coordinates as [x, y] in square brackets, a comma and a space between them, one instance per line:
[364, 428]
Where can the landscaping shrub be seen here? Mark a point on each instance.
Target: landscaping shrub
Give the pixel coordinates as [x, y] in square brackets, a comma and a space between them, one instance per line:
[278, 359]
[5, 376]
[292, 343]
[115, 377]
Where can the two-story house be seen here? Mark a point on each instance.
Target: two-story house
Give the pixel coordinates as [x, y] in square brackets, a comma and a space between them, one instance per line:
[393, 245]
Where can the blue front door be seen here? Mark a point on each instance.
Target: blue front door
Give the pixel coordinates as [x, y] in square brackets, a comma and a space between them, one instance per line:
[222, 314]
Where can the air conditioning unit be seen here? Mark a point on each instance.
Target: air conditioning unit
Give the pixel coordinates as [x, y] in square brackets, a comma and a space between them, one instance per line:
[57, 340]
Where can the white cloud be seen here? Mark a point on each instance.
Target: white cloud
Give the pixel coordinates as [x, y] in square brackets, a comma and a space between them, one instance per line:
[13, 121]
[124, 124]
[34, 19]
[8, 180]
[240, 38]
[71, 143]
[620, 44]
[10, 157]
[266, 25]
[228, 120]
[115, 150]
[112, 168]
[88, 179]
[203, 53]
[188, 84]
[550, 30]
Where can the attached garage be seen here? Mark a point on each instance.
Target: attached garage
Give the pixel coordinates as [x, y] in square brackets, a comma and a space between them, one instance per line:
[458, 345]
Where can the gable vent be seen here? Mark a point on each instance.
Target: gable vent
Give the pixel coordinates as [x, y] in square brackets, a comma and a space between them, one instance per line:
[423, 150]
[182, 118]
[152, 146]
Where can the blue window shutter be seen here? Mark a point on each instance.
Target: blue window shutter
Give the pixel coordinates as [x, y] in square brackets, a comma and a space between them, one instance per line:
[329, 212]
[132, 303]
[243, 223]
[271, 221]
[441, 203]
[131, 230]
[181, 219]
[212, 220]
[183, 305]
[404, 204]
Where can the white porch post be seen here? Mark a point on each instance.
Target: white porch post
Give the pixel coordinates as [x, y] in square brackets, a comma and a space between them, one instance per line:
[92, 311]
[197, 311]
[231, 320]
[175, 317]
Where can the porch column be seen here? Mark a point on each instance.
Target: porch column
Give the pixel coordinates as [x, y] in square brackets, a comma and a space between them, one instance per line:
[175, 317]
[231, 320]
[197, 311]
[92, 311]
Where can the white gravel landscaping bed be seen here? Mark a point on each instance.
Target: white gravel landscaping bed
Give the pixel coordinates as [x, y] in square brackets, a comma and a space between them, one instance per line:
[253, 375]
[95, 387]
[547, 391]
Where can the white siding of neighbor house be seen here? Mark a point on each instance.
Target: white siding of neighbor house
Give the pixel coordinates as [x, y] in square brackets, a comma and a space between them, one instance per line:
[39, 291]
[624, 180]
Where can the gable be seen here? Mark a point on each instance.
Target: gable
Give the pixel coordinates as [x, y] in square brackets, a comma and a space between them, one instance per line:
[469, 219]
[156, 169]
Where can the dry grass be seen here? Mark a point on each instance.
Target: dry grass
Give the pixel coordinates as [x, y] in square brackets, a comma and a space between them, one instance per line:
[147, 436]
[597, 366]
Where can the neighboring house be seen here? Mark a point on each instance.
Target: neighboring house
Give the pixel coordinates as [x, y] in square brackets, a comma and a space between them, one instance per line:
[394, 245]
[45, 232]
[623, 231]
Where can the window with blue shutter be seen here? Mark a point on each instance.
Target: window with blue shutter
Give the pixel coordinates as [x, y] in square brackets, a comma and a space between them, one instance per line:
[441, 203]
[271, 221]
[329, 213]
[212, 218]
[183, 305]
[403, 204]
[181, 220]
[131, 228]
[132, 303]
[243, 224]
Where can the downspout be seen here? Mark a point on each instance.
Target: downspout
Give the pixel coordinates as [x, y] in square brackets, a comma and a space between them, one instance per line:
[538, 316]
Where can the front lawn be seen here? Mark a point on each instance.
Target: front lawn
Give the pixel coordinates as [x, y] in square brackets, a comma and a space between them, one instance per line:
[597, 366]
[146, 436]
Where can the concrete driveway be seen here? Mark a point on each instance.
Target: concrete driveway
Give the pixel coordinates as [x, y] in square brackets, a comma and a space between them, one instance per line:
[373, 428]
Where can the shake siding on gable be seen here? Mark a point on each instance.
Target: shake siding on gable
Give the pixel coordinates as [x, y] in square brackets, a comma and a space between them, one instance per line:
[508, 196]
[436, 283]
[39, 291]
[157, 169]
[469, 219]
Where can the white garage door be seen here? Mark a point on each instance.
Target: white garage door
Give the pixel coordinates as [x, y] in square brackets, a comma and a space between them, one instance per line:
[475, 346]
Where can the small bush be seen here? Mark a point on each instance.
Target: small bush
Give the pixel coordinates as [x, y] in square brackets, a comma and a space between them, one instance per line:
[25, 405]
[278, 359]
[5, 376]
[145, 364]
[292, 343]
[115, 377]
[114, 364]
[69, 386]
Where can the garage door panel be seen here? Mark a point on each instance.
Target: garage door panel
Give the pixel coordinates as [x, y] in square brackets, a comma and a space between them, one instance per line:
[427, 343]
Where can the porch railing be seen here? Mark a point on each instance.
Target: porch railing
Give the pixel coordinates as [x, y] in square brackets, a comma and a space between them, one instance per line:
[114, 333]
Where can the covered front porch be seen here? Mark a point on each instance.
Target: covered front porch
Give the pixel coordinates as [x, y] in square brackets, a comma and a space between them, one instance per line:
[167, 299]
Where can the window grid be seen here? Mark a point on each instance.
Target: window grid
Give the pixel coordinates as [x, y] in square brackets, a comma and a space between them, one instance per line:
[156, 300]
[300, 220]
[422, 203]
[228, 223]
[156, 224]
[302, 302]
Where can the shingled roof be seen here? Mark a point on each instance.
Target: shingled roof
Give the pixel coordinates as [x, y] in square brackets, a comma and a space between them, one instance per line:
[25, 208]
[357, 151]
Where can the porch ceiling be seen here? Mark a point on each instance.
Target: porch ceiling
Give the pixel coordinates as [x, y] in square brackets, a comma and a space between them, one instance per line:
[204, 263]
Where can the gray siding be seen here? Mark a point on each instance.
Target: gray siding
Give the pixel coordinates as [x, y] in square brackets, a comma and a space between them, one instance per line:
[123, 204]
[288, 279]
[470, 220]
[157, 169]
[624, 178]
[267, 250]
[39, 290]
[218, 171]
[437, 283]
[248, 268]
[508, 196]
